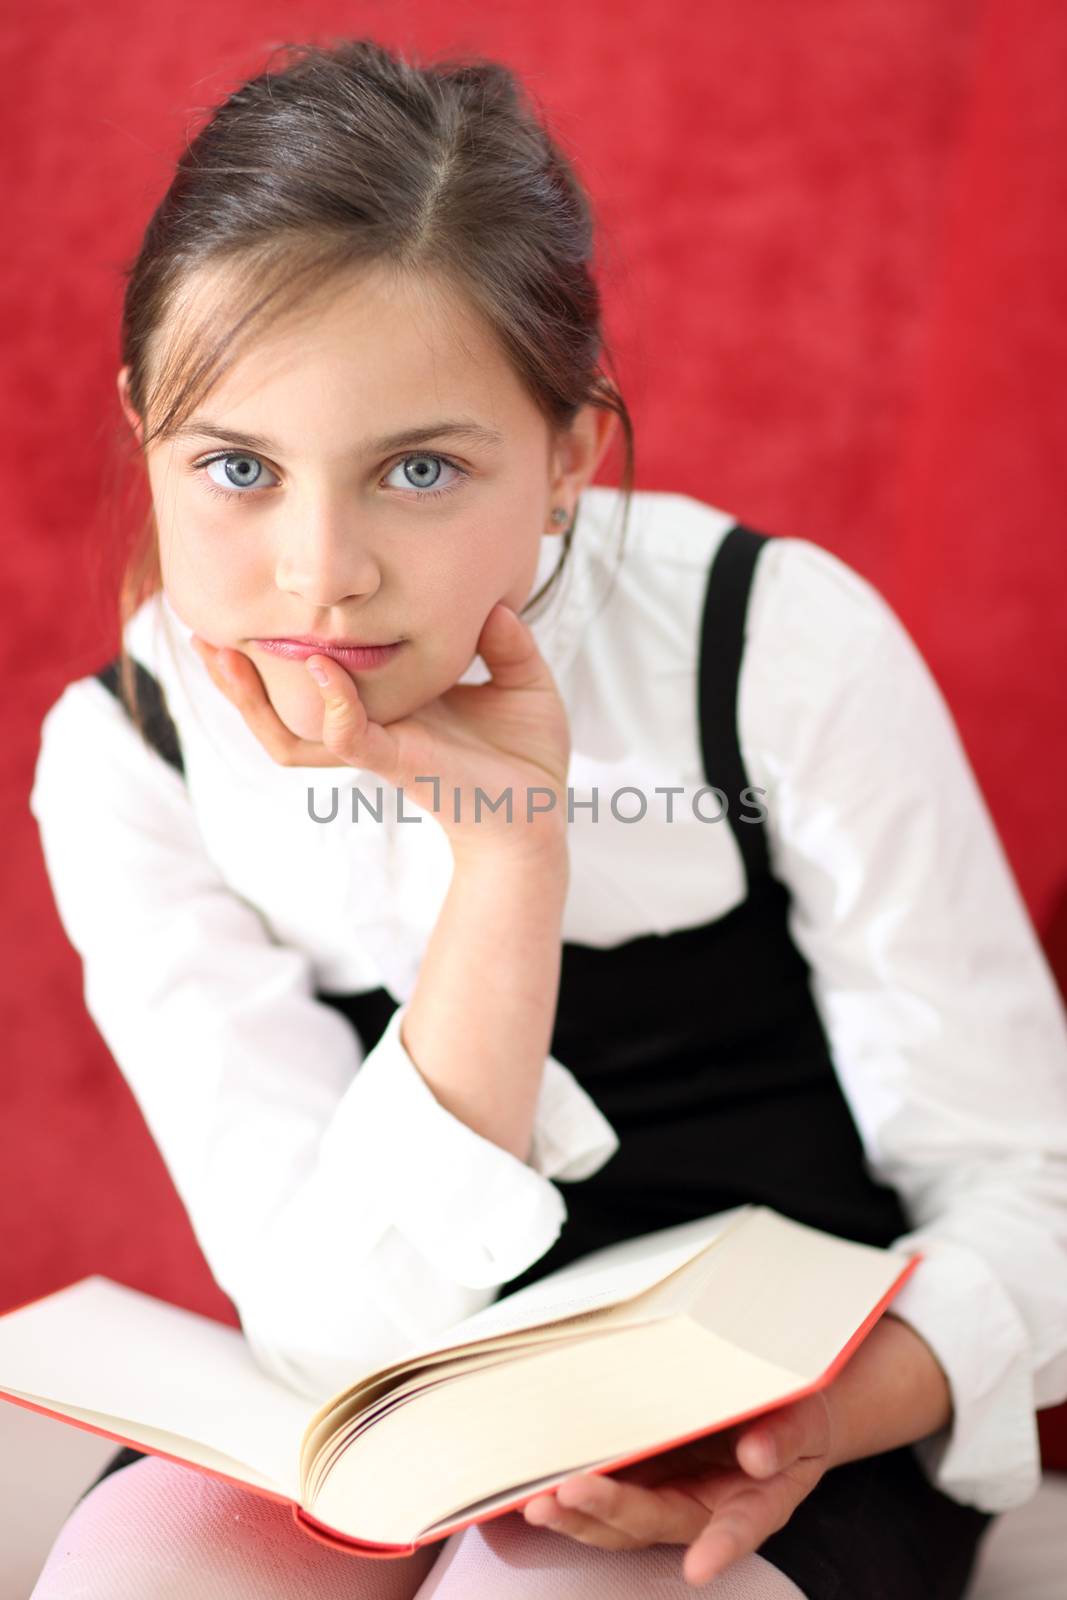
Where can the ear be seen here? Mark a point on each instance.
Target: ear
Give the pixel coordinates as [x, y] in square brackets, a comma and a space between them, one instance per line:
[124, 398]
[578, 453]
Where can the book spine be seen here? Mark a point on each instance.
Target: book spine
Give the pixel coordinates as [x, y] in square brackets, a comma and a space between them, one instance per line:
[339, 1541]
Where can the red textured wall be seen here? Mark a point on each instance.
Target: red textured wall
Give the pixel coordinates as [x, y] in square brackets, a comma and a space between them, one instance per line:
[834, 260]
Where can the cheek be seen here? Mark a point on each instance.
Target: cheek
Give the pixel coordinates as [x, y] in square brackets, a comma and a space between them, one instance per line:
[209, 563]
[473, 565]
[461, 592]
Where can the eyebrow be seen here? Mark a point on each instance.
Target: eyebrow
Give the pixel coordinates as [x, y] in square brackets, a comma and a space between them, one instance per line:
[460, 428]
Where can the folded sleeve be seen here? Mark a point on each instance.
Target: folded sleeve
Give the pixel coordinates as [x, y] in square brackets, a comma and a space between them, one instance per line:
[341, 1207]
[947, 1031]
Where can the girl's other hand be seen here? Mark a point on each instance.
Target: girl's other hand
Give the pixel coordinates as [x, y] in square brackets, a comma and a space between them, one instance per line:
[508, 735]
[721, 1494]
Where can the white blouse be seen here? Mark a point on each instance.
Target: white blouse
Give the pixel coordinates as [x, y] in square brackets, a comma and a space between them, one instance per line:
[343, 1210]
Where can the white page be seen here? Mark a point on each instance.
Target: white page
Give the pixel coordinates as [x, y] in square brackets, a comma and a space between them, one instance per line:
[617, 1272]
[169, 1443]
[101, 1346]
[792, 1294]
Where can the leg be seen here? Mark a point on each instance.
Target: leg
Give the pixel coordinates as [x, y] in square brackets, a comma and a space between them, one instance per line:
[507, 1559]
[160, 1530]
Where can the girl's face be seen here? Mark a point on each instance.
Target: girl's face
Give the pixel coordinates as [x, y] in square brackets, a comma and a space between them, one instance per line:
[297, 499]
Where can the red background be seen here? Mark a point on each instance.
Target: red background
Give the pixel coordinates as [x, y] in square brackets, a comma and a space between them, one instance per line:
[834, 261]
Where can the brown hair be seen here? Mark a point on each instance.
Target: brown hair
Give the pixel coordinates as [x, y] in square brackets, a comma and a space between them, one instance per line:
[348, 156]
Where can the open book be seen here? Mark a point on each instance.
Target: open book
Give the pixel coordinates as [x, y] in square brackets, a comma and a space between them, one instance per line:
[630, 1351]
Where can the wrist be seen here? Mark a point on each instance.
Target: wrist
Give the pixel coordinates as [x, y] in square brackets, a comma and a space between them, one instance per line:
[544, 858]
[891, 1392]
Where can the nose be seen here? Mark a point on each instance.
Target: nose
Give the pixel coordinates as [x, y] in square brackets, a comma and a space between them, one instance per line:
[324, 558]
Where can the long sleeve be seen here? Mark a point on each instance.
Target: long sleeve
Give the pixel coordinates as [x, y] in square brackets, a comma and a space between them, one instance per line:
[946, 1028]
[339, 1205]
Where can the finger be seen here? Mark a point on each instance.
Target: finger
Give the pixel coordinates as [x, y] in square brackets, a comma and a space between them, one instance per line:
[544, 1512]
[509, 650]
[713, 1551]
[646, 1514]
[740, 1526]
[759, 1452]
[795, 1432]
[347, 731]
[232, 671]
[733, 1532]
[217, 662]
[239, 680]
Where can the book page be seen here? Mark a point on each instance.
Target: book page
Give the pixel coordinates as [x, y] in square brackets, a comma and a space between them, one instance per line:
[354, 1416]
[761, 1318]
[551, 1411]
[585, 1289]
[792, 1294]
[606, 1277]
[141, 1367]
[171, 1444]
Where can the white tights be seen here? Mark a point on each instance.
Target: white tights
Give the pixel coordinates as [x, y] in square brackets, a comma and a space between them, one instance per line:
[155, 1530]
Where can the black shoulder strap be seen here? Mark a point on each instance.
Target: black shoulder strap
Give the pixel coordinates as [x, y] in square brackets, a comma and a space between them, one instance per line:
[722, 645]
[159, 729]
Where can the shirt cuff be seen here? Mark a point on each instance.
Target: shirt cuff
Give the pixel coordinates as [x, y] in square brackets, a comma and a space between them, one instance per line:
[475, 1211]
[989, 1454]
[572, 1138]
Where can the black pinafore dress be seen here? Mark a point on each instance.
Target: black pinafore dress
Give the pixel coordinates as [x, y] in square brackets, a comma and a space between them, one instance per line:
[704, 1049]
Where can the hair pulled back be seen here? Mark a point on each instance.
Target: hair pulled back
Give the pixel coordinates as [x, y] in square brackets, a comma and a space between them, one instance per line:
[349, 156]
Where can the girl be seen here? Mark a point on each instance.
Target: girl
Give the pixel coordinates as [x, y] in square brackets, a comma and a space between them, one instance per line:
[729, 921]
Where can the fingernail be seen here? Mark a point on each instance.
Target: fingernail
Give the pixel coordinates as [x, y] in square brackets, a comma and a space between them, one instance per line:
[321, 677]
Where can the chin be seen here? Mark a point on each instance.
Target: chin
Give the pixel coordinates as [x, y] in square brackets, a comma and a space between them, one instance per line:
[297, 708]
[302, 712]
[305, 727]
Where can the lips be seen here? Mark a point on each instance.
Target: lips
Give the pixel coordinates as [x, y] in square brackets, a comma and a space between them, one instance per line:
[347, 655]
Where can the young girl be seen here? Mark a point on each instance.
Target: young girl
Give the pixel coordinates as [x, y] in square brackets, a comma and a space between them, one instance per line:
[430, 849]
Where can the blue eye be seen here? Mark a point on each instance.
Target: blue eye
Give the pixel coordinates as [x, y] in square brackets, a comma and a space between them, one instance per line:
[244, 484]
[433, 491]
